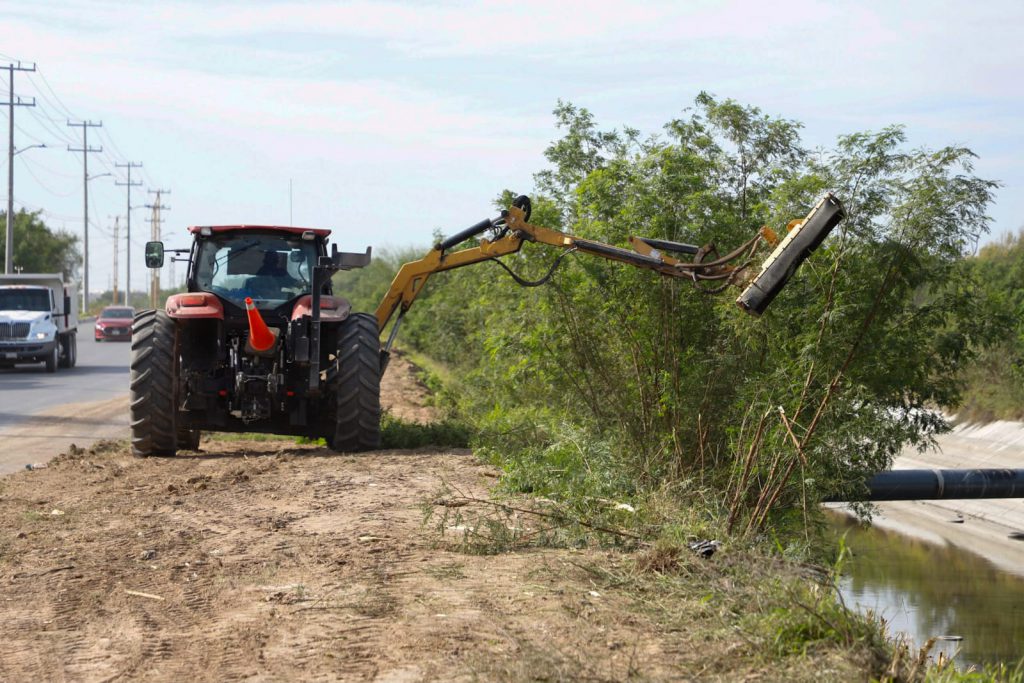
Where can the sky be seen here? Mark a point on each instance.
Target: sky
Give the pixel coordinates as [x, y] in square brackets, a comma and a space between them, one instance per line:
[388, 120]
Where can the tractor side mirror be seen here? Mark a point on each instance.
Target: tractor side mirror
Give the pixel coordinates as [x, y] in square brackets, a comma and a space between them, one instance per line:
[154, 254]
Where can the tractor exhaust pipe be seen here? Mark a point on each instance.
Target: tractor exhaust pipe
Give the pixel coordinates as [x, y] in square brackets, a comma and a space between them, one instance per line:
[940, 485]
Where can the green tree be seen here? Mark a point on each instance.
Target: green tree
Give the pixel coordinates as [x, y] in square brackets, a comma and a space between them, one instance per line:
[612, 381]
[995, 381]
[40, 249]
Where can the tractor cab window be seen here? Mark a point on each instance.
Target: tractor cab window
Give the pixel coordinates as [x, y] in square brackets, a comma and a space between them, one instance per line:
[269, 268]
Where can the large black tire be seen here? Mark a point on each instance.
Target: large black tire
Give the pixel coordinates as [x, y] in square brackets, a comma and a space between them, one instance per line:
[64, 359]
[357, 386]
[154, 378]
[69, 351]
[53, 360]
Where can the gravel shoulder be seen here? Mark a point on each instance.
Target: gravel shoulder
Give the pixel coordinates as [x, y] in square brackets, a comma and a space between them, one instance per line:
[46, 434]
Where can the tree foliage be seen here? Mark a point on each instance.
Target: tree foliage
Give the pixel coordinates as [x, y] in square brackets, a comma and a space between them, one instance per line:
[38, 248]
[995, 381]
[619, 380]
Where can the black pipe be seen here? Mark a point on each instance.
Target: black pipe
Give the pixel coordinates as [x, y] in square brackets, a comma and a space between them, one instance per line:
[941, 484]
[459, 237]
[665, 245]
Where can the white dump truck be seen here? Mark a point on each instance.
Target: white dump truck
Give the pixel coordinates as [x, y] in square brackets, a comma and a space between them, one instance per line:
[38, 320]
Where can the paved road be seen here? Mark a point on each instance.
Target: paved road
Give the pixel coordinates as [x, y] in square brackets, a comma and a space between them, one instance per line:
[42, 414]
[101, 374]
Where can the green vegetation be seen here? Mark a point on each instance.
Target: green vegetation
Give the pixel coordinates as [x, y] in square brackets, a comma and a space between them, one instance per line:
[627, 409]
[996, 379]
[613, 383]
[446, 433]
[39, 249]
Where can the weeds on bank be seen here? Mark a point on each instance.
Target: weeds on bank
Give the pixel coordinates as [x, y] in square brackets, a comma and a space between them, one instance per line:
[395, 433]
[752, 600]
[447, 433]
[246, 436]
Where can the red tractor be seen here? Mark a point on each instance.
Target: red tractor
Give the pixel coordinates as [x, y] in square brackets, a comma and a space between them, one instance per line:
[260, 343]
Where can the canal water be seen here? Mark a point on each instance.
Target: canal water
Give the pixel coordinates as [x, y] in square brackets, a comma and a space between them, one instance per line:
[925, 590]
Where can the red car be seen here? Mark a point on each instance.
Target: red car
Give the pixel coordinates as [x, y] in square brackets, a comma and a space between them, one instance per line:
[115, 322]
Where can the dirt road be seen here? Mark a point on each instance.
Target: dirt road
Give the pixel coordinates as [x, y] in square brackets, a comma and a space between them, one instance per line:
[270, 561]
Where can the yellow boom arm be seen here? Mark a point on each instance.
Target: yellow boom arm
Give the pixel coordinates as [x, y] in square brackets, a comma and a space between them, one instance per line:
[513, 229]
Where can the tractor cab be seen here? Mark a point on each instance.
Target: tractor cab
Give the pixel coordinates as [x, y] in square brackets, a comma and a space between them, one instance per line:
[269, 265]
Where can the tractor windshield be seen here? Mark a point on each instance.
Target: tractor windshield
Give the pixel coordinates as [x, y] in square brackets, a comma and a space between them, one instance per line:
[270, 268]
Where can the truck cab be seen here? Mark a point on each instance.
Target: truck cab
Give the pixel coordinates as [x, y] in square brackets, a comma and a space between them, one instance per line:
[38, 321]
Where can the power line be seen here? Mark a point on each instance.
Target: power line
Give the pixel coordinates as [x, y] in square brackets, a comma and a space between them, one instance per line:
[42, 77]
[39, 181]
[52, 128]
[24, 132]
[46, 213]
[36, 163]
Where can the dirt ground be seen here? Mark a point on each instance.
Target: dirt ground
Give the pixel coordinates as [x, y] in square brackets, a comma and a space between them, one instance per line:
[266, 560]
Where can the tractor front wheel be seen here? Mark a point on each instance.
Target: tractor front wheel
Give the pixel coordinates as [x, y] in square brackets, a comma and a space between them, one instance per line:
[357, 386]
[154, 377]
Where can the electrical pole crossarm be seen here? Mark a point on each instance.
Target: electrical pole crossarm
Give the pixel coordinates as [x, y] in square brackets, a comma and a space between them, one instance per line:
[19, 101]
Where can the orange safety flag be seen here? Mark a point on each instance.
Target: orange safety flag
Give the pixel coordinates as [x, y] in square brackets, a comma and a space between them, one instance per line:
[261, 338]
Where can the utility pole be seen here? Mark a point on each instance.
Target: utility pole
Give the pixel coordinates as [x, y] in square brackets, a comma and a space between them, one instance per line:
[154, 235]
[128, 256]
[117, 226]
[12, 102]
[85, 149]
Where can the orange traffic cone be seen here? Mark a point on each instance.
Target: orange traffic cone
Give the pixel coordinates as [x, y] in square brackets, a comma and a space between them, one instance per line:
[261, 337]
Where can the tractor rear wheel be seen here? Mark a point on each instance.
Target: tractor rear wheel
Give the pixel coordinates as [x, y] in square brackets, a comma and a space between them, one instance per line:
[154, 378]
[357, 386]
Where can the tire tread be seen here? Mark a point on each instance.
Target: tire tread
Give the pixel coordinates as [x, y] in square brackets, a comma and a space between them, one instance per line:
[357, 386]
[152, 388]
